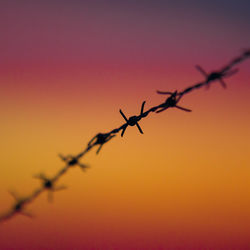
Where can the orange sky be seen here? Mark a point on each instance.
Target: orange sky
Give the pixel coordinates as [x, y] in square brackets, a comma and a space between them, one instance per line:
[184, 184]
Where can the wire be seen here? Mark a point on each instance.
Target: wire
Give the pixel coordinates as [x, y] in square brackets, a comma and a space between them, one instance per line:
[99, 140]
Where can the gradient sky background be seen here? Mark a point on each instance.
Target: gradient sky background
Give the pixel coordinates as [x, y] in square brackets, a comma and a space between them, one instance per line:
[67, 67]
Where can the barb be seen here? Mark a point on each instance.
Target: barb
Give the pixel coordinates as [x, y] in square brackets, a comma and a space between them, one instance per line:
[217, 75]
[100, 139]
[73, 161]
[171, 101]
[133, 120]
[49, 184]
[19, 205]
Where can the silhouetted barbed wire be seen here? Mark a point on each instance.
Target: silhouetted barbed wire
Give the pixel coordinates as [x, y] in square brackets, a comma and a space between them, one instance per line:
[49, 184]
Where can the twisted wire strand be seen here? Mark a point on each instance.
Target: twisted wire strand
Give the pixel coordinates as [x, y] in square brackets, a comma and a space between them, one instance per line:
[49, 184]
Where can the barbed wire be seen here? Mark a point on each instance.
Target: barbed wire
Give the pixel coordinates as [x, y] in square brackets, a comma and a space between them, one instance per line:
[172, 101]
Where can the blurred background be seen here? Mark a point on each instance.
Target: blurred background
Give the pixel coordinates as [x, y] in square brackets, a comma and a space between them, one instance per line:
[67, 67]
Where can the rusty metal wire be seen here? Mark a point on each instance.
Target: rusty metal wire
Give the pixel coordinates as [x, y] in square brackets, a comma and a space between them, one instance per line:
[172, 101]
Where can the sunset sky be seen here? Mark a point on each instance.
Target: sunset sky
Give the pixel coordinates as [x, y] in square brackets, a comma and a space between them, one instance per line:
[67, 67]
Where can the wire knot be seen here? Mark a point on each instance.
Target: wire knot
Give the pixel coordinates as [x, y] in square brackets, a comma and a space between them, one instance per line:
[133, 120]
